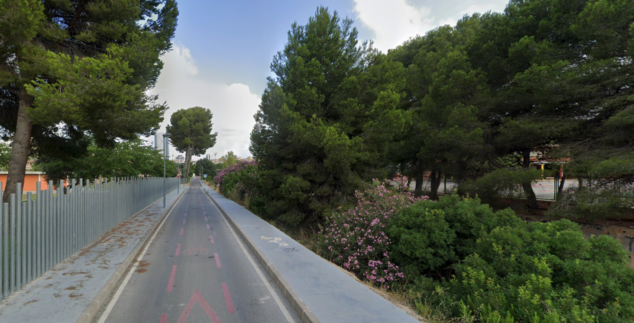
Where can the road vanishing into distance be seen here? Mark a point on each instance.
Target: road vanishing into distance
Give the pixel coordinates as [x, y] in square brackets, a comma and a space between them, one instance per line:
[196, 269]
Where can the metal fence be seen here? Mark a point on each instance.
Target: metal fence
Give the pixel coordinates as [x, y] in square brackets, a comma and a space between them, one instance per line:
[53, 224]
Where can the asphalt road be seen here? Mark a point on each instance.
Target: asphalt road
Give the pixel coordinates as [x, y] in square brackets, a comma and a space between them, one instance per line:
[198, 270]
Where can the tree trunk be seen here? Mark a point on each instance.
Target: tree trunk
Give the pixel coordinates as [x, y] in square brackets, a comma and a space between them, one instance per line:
[188, 157]
[561, 186]
[21, 147]
[409, 178]
[528, 188]
[435, 178]
[580, 181]
[418, 190]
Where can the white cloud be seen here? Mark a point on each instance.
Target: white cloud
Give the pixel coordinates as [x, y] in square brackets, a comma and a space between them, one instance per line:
[394, 21]
[233, 105]
[497, 6]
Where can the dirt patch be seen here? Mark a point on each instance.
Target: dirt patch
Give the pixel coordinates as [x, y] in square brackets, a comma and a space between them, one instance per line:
[73, 295]
[29, 302]
[141, 270]
[73, 273]
[57, 295]
[143, 263]
[71, 288]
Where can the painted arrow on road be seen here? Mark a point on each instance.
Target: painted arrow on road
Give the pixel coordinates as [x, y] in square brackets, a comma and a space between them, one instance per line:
[196, 298]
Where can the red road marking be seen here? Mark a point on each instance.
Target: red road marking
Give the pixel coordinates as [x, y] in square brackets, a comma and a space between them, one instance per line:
[208, 227]
[182, 230]
[178, 249]
[218, 265]
[170, 284]
[211, 239]
[190, 305]
[185, 214]
[205, 219]
[184, 221]
[163, 318]
[225, 289]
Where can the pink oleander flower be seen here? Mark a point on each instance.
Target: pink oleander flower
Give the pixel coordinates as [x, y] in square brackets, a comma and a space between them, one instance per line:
[363, 245]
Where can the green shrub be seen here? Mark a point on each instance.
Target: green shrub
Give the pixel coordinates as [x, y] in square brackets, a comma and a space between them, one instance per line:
[429, 237]
[545, 272]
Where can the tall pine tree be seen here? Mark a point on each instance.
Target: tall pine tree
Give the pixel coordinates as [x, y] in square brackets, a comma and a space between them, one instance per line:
[72, 68]
[326, 119]
[190, 132]
[444, 94]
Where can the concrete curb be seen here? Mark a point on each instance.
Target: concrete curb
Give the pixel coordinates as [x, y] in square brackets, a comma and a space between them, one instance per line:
[304, 312]
[88, 315]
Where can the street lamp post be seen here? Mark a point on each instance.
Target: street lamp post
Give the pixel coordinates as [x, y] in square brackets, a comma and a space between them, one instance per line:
[165, 138]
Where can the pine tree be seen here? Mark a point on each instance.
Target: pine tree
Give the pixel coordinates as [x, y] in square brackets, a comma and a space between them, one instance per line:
[72, 68]
[444, 93]
[190, 132]
[326, 119]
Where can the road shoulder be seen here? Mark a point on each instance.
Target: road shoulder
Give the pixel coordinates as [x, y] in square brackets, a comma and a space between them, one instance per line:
[318, 291]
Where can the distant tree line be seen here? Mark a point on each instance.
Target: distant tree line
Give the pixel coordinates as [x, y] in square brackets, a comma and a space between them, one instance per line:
[125, 159]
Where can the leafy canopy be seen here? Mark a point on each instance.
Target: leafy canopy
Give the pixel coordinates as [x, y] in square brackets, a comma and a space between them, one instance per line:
[5, 153]
[229, 159]
[85, 67]
[191, 128]
[190, 132]
[326, 118]
[126, 159]
[205, 166]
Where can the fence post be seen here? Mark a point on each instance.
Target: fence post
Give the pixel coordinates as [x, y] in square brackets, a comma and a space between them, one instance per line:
[50, 216]
[3, 215]
[29, 237]
[12, 239]
[38, 229]
[18, 243]
[5, 250]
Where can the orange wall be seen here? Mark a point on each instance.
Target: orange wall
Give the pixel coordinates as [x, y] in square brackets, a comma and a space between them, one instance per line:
[30, 181]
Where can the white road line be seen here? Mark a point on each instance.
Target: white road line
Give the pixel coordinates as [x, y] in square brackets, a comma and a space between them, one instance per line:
[287, 315]
[116, 296]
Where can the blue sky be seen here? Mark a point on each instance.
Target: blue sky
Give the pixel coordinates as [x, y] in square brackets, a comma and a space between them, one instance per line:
[223, 50]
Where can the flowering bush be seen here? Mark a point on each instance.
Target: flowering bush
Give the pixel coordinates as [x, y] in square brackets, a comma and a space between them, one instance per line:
[228, 178]
[355, 239]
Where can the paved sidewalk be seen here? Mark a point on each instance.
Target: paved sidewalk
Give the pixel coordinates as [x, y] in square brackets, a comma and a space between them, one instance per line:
[329, 295]
[64, 292]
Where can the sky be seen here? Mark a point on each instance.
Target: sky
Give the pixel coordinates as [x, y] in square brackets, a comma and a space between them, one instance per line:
[222, 50]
